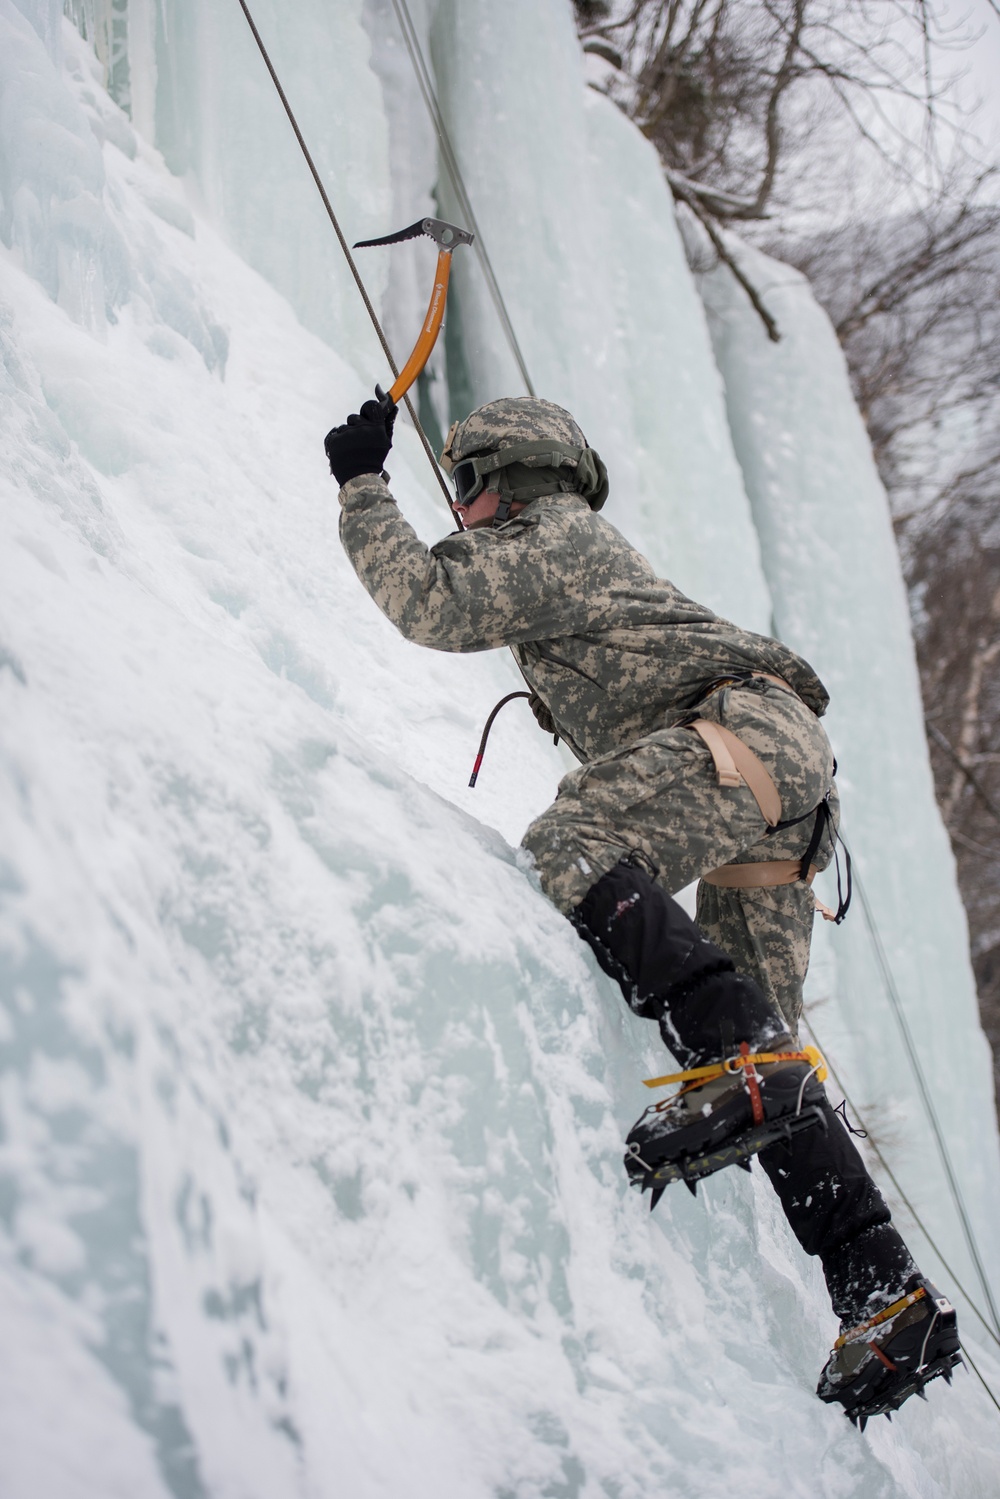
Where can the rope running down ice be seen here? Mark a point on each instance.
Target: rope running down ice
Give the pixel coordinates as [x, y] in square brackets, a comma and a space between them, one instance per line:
[895, 1182]
[910, 1208]
[345, 247]
[924, 1090]
[454, 171]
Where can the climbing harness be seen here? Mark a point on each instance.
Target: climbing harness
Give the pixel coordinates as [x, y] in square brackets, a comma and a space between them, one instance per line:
[447, 237]
[759, 876]
[737, 765]
[775, 872]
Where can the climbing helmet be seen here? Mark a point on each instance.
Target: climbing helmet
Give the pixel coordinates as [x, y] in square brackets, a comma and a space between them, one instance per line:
[532, 447]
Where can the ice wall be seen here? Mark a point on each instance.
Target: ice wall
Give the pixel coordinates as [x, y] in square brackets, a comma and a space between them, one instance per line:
[310, 1107]
[831, 561]
[219, 122]
[413, 173]
[587, 252]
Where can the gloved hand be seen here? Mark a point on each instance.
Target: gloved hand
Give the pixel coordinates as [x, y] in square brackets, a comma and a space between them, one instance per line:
[543, 717]
[362, 444]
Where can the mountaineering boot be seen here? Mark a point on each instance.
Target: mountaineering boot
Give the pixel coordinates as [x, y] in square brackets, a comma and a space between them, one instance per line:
[761, 1089]
[881, 1362]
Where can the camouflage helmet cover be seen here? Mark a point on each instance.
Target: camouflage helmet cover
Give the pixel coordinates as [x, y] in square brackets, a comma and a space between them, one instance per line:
[515, 420]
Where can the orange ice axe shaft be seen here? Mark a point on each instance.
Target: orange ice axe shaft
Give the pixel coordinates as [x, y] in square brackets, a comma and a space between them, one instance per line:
[447, 237]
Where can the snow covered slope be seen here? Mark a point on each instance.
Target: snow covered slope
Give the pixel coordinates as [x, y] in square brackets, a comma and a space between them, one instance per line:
[311, 1107]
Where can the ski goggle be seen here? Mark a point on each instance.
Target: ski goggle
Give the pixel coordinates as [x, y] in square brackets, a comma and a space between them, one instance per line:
[468, 480]
[467, 474]
[473, 474]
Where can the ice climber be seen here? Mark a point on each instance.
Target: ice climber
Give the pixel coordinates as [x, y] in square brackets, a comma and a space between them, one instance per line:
[702, 756]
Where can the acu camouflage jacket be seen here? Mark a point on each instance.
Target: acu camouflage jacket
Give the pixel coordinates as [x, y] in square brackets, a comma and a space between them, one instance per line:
[612, 650]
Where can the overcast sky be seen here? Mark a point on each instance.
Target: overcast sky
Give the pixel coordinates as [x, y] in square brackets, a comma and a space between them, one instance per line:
[983, 63]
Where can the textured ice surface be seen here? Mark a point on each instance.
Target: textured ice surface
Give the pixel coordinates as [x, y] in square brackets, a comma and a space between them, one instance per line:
[587, 251]
[217, 118]
[311, 1108]
[832, 564]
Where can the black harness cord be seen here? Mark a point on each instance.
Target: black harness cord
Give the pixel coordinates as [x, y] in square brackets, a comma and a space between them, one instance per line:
[824, 820]
[347, 253]
[486, 732]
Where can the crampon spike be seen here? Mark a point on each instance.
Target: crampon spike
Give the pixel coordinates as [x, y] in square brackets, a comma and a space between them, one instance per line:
[861, 1422]
[647, 1167]
[691, 1186]
[655, 1196]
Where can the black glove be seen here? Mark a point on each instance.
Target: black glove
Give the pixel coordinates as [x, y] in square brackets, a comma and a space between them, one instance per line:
[362, 444]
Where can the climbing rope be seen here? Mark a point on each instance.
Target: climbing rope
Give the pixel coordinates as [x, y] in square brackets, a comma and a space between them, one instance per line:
[975, 1369]
[454, 171]
[345, 247]
[873, 1146]
[925, 1092]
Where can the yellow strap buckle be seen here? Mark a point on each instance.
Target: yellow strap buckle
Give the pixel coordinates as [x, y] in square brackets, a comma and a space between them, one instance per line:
[810, 1054]
[882, 1316]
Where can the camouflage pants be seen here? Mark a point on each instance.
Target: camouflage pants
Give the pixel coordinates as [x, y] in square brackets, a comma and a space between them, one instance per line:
[660, 797]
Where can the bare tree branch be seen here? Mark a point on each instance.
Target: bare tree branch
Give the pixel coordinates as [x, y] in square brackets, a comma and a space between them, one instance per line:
[725, 255]
[980, 791]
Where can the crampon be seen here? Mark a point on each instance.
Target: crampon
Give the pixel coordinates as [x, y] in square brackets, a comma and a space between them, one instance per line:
[876, 1366]
[725, 1114]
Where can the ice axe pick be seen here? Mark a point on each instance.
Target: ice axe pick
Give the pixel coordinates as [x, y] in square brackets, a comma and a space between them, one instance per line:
[447, 237]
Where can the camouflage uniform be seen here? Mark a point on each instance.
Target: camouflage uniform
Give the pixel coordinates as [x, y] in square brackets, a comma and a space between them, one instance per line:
[624, 662]
[621, 658]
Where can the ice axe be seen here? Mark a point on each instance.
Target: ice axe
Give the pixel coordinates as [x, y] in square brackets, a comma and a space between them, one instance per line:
[447, 237]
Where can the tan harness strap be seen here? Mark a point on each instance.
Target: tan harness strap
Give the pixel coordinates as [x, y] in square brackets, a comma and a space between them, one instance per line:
[766, 876]
[736, 765]
[758, 876]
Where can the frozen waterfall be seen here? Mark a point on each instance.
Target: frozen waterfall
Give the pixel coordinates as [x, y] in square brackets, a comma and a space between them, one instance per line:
[311, 1108]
